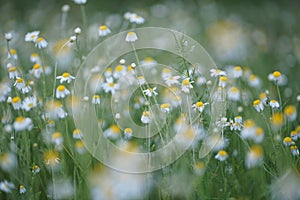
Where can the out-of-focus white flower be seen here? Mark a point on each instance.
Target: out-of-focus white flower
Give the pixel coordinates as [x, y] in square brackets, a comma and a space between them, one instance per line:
[103, 31]
[150, 92]
[254, 156]
[65, 77]
[110, 86]
[41, 43]
[29, 103]
[61, 92]
[79, 2]
[6, 186]
[186, 85]
[221, 155]
[131, 37]
[22, 123]
[113, 132]
[146, 117]
[32, 36]
[217, 72]
[8, 161]
[258, 105]
[8, 36]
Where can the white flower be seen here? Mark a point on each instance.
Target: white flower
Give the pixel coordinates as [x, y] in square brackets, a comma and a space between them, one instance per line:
[35, 58]
[8, 36]
[254, 81]
[20, 83]
[234, 94]
[199, 106]
[12, 72]
[258, 105]
[77, 134]
[134, 18]
[113, 132]
[6, 186]
[103, 30]
[119, 71]
[217, 72]
[141, 80]
[65, 77]
[57, 138]
[150, 92]
[22, 189]
[127, 133]
[79, 2]
[172, 80]
[110, 86]
[41, 43]
[32, 36]
[65, 8]
[77, 30]
[131, 37]
[186, 85]
[166, 107]
[222, 81]
[16, 103]
[254, 156]
[37, 70]
[62, 92]
[221, 155]
[96, 99]
[22, 124]
[274, 104]
[29, 103]
[237, 72]
[146, 119]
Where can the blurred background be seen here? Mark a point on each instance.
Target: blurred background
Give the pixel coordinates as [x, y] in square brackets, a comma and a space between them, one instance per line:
[261, 35]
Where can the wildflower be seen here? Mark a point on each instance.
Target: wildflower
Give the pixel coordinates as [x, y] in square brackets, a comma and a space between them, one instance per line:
[113, 132]
[186, 85]
[263, 97]
[276, 76]
[199, 168]
[77, 30]
[65, 77]
[6, 186]
[12, 54]
[200, 80]
[287, 141]
[134, 18]
[103, 31]
[8, 161]
[274, 104]
[41, 43]
[298, 98]
[16, 103]
[51, 159]
[37, 70]
[119, 71]
[22, 124]
[258, 105]
[29, 103]
[131, 37]
[27, 87]
[35, 58]
[127, 133]
[290, 112]
[72, 38]
[237, 72]
[32, 36]
[80, 2]
[216, 142]
[150, 92]
[277, 120]
[65, 8]
[8, 36]
[110, 86]
[254, 156]
[234, 94]
[96, 99]
[77, 134]
[62, 92]
[165, 107]
[20, 83]
[146, 119]
[22, 189]
[217, 72]
[199, 106]
[249, 129]
[148, 62]
[294, 135]
[254, 81]
[222, 81]
[294, 150]
[54, 110]
[12, 72]
[79, 145]
[221, 155]
[172, 80]
[57, 138]
[35, 169]
[141, 80]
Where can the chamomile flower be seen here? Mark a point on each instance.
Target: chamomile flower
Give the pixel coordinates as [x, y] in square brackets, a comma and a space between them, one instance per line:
[103, 31]
[29, 103]
[32, 36]
[12, 72]
[16, 103]
[294, 135]
[199, 106]
[20, 83]
[263, 97]
[113, 132]
[27, 87]
[61, 92]
[37, 70]
[223, 81]
[276, 76]
[257, 104]
[110, 86]
[57, 138]
[217, 72]
[127, 133]
[150, 92]
[287, 141]
[148, 62]
[119, 71]
[199, 168]
[22, 189]
[8, 36]
[35, 169]
[77, 134]
[8, 161]
[165, 107]
[65, 77]
[41, 43]
[141, 80]
[22, 123]
[234, 94]
[80, 2]
[6, 186]
[131, 37]
[51, 159]
[79, 146]
[294, 150]
[249, 129]
[254, 156]
[274, 103]
[277, 120]
[186, 85]
[254, 81]
[259, 135]
[172, 80]
[290, 112]
[35, 58]
[96, 99]
[12, 54]
[134, 18]
[146, 117]
[221, 155]
[237, 72]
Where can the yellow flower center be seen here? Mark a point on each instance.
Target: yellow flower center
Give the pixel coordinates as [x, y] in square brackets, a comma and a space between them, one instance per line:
[51, 157]
[276, 74]
[277, 119]
[256, 102]
[66, 75]
[61, 88]
[165, 105]
[257, 150]
[237, 68]
[111, 84]
[259, 131]
[234, 89]
[40, 39]
[16, 100]
[102, 28]
[79, 144]
[223, 78]
[96, 97]
[294, 133]
[76, 131]
[119, 68]
[146, 113]
[20, 119]
[20, 80]
[166, 70]
[199, 104]
[222, 153]
[13, 52]
[115, 129]
[263, 95]
[289, 110]
[199, 165]
[287, 140]
[56, 135]
[252, 77]
[128, 130]
[12, 69]
[36, 66]
[186, 82]
[249, 123]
